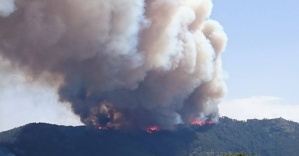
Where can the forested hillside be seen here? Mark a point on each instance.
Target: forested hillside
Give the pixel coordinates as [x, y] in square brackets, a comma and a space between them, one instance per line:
[275, 137]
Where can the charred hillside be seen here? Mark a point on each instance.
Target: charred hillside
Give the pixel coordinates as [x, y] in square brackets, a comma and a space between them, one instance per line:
[255, 137]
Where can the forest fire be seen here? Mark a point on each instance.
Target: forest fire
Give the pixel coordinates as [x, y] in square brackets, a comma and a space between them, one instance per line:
[194, 123]
[155, 128]
[198, 122]
[103, 128]
[152, 129]
[110, 64]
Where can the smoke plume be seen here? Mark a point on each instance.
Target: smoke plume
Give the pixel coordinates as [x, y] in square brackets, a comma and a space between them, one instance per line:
[122, 64]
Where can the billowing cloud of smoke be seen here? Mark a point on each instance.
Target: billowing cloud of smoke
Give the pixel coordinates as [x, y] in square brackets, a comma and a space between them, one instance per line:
[123, 64]
[6, 7]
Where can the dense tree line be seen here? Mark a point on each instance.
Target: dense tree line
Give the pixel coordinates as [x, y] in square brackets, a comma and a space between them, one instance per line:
[275, 137]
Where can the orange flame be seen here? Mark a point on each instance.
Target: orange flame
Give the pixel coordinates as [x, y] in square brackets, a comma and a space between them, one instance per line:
[152, 129]
[199, 122]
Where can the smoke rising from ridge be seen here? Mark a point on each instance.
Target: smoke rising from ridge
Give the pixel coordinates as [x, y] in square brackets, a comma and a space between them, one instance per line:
[123, 64]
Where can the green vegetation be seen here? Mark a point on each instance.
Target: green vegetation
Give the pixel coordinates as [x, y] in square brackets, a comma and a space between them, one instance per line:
[276, 137]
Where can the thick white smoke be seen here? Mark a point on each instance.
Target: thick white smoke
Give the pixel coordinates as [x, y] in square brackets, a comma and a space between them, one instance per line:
[6, 7]
[124, 64]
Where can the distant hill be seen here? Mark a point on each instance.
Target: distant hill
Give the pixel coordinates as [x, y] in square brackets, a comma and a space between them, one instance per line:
[268, 137]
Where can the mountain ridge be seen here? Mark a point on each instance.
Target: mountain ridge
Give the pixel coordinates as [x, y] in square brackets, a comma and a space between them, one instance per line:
[251, 137]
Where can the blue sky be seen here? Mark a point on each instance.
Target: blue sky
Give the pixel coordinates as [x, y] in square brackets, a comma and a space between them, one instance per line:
[262, 53]
[261, 60]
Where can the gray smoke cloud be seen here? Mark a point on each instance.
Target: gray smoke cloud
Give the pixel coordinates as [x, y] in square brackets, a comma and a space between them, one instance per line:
[121, 64]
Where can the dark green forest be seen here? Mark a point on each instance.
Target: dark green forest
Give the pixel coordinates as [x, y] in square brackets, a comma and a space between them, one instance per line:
[268, 137]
